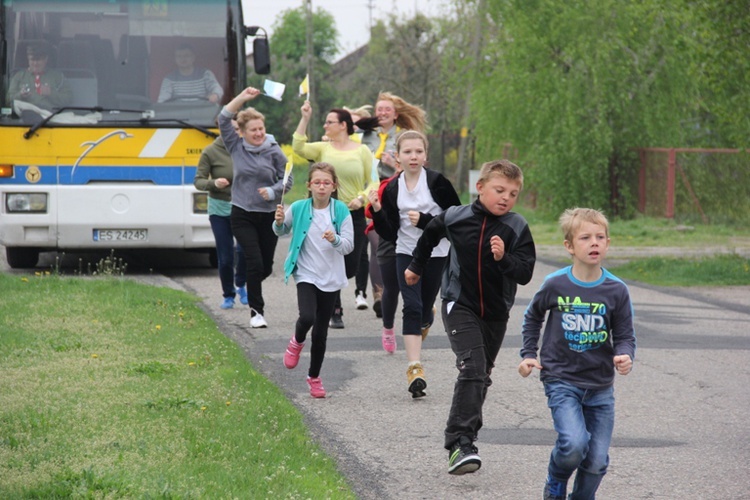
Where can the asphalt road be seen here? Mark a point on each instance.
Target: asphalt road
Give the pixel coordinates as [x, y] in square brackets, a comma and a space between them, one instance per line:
[682, 428]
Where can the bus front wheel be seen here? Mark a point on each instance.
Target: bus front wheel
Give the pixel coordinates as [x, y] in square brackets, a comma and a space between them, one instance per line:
[21, 257]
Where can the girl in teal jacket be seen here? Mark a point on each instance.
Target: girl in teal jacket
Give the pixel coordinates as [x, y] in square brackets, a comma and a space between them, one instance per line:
[322, 234]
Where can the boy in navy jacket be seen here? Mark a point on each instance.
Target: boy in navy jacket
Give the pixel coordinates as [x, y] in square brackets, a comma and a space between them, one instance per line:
[589, 335]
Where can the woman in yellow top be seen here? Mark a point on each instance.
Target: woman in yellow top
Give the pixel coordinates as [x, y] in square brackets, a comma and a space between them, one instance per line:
[353, 164]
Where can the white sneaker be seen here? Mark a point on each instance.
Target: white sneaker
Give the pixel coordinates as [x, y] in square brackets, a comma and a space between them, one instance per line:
[257, 320]
[360, 301]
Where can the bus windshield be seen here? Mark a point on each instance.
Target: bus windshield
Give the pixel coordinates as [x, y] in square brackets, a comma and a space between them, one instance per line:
[99, 63]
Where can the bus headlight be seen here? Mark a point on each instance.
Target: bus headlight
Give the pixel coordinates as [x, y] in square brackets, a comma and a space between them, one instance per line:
[200, 203]
[26, 203]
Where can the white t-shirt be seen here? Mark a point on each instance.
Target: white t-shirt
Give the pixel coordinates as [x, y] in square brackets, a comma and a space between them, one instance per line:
[419, 199]
[318, 262]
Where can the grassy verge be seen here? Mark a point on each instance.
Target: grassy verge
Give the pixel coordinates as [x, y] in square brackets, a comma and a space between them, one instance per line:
[641, 232]
[648, 232]
[119, 390]
[721, 270]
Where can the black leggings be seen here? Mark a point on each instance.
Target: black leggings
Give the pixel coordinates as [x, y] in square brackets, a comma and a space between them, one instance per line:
[352, 260]
[255, 235]
[315, 310]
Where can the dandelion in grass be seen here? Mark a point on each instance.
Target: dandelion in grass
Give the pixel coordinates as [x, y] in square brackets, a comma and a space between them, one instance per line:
[229, 403]
[37, 273]
[192, 363]
[94, 355]
[158, 327]
[25, 280]
[204, 408]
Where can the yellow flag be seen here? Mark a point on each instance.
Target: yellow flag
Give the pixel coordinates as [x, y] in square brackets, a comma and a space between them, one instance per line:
[304, 87]
[287, 172]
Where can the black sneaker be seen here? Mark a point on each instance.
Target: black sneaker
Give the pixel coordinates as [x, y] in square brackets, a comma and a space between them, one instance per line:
[336, 321]
[463, 457]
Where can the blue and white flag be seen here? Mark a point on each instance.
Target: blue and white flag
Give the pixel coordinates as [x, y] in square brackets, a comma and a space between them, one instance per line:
[273, 89]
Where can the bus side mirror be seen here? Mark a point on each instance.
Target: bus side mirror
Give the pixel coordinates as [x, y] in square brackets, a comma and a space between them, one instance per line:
[261, 56]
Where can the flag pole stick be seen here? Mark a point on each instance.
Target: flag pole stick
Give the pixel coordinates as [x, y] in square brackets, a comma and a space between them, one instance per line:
[287, 172]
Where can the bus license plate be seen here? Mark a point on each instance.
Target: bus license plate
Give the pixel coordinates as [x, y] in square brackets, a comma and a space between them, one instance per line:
[120, 234]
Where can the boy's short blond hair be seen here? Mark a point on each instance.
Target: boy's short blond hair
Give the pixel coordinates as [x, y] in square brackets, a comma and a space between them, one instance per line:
[504, 168]
[572, 218]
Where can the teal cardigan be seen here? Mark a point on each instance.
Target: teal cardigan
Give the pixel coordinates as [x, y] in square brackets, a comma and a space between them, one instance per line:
[302, 216]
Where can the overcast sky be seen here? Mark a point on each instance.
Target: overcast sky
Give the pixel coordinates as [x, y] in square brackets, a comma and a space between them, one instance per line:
[352, 16]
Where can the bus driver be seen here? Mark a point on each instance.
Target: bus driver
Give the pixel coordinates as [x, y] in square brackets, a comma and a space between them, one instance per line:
[38, 84]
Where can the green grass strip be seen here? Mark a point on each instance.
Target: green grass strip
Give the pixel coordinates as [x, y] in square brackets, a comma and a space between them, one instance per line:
[113, 389]
[720, 270]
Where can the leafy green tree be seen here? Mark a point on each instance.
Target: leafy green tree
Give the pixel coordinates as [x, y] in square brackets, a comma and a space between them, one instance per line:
[407, 57]
[419, 59]
[576, 86]
[289, 66]
[724, 70]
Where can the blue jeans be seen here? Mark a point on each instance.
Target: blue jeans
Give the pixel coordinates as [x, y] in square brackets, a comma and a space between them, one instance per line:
[584, 420]
[231, 266]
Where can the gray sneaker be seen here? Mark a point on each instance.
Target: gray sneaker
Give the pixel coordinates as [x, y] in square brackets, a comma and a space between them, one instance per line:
[336, 321]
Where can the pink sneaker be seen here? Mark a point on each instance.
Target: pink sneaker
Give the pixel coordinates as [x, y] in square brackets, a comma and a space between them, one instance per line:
[316, 387]
[291, 356]
[389, 340]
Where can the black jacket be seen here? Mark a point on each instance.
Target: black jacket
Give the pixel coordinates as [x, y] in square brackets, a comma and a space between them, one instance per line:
[473, 277]
[386, 221]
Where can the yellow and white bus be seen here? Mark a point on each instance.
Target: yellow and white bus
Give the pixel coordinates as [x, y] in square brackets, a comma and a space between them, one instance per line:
[113, 166]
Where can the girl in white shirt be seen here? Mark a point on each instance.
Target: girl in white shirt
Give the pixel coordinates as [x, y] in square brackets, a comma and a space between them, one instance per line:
[409, 202]
[322, 234]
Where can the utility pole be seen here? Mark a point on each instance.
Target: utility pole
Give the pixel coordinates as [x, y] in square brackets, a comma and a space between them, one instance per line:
[309, 42]
[370, 6]
[476, 51]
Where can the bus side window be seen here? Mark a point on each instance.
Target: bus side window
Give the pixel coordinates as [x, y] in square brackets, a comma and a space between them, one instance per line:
[84, 85]
[75, 58]
[132, 66]
[75, 54]
[104, 66]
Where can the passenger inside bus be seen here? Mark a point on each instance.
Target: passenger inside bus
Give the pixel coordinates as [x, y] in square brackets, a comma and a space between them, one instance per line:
[39, 84]
[187, 82]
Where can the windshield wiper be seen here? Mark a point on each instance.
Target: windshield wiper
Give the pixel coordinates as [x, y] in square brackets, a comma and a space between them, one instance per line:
[90, 109]
[146, 120]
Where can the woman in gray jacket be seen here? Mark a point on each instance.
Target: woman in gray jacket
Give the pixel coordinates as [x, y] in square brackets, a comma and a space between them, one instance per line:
[259, 167]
